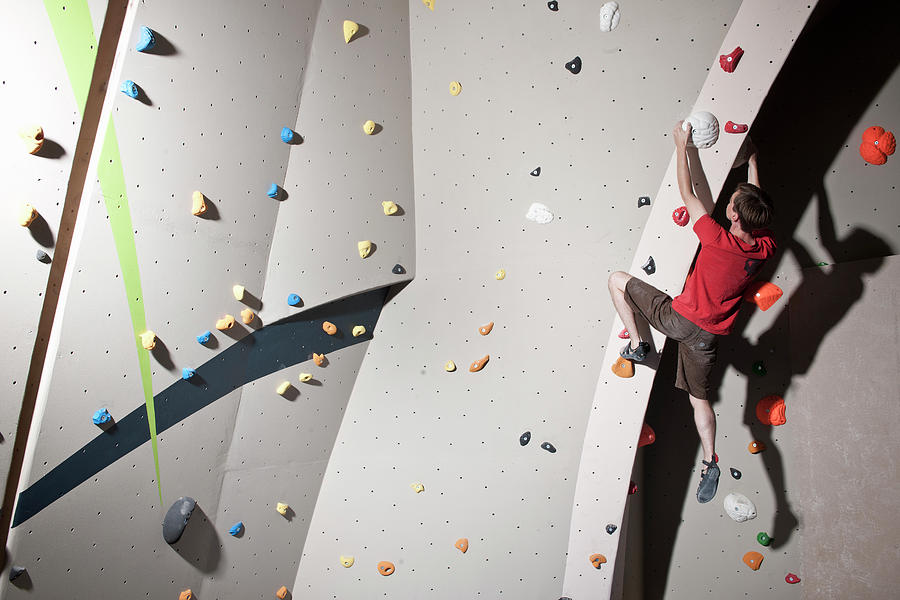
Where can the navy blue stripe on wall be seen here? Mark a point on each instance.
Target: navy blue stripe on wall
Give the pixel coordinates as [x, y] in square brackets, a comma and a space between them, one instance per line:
[272, 348]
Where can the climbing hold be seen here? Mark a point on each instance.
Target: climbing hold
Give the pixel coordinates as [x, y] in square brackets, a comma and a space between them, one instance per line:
[539, 213]
[385, 568]
[753, 560]
[365, 248]
[536, 172]
[238, 292]
[226, 322]
[877, 145]
[574, 65]
[486, 329]
[186, 595]
[597, 560]
[148, 340]
[732, 127]
[176, 518]
[147, 40]
[129, 88]
[763, 294]
[350, 29]
[553, 5]
[287, 135]
[282, 508]
[649, 267]
[739, 507]
[770, 410]
[548, 447]
[525, 438]
[272, 192]
[318, 359]
[500, 275]
[33, 138]
[15, 572]
[293, 300]
[763, 538]
[198, 203]
[462, 544]
[680, 216]
[247, 316]
[704, 129]
[609, 16]
[42, 256]
[236, 528]
[305, 377]
[369, 127]
[759, 368]
[450, 366]
[643, 201]
[389, 207]
[347, 561]
[282, 388]
[729, 62]
[755, 447]
[647, 437]
[623, 368]
[358, 330]
[204, 337]
[429, 3]
[398, 270]
[282, 593]
[632, 487]
[187, 373]
[329, 328]
[455, 88]
[821, 264]
[417, 487]
[610, 528]
[624, 335]
[790, 578]
[101, 416]
[735, 473]
[27, 215]
[479, 364]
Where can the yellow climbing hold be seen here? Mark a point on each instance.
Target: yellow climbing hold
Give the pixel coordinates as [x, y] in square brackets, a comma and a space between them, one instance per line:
[389, 207]
[450, 366]
[350, 29]
[238, 292]
[429, 3]
[369, 127]
[365, 248]
[455, 88]
[282, 508]
[283, 387]
[148, 340]
[27, 215]
[247, 316]
[500, 275]
[417, 487]
[33, 138]
[198, 206]
[358, 331]
[347, 561]
[304, 377]
[226, 322]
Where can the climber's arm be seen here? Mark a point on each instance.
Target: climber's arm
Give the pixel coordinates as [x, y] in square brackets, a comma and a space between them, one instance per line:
[694, 207]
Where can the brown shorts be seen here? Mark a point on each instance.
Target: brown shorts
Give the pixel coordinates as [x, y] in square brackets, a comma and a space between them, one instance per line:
[696, 346]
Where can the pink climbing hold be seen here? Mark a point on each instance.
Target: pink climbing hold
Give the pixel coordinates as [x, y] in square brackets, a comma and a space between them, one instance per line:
[623, 335]
[648, 436]
[632, 488]
[681, 216]
[732, 127]
[791, 578]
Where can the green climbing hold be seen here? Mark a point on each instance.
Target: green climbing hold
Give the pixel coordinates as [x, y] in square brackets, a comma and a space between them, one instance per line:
[763, 538]
[822, 264]
[759, 368]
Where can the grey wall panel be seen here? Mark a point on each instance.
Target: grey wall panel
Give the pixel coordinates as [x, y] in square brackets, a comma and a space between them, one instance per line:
[338, 177]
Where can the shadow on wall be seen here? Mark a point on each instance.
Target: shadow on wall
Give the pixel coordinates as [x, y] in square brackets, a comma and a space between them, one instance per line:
[199, 545]
[827, 83]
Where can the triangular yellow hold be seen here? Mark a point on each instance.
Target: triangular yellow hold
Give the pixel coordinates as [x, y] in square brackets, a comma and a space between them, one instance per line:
[429, 3]
[350, 29]
[623, 368]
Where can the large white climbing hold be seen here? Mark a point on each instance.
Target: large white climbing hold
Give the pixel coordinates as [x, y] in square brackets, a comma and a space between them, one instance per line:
[609, 16]
[704, 129]
[739, 507]
[539, 213]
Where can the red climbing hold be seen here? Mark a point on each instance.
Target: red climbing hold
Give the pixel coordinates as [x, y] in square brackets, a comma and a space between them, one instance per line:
[623, 335]
[732, 127]
[632, 488]
[770, 410]
[763, 294]
[648, 436]
[729, 62]
[791, 578]
[877, 145]
[681, 216]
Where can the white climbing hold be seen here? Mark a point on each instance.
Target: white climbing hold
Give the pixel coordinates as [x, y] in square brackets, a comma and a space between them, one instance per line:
[609, 16]
[704, 129]
[739, 507]
[539, 213]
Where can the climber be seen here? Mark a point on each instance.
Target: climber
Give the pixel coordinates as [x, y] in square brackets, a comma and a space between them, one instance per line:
[728, 261]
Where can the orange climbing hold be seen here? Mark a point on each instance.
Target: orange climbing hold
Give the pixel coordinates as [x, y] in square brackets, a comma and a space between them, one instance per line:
[753, 560]
[597, 560]
[226, 322]
[282, 593]
[186, 595]
[486, 329]
[329, 328]
[648, 436]
[462, 544]
[319, 359]
[763, 294]
[386, 568]
[479, 364]
[770, 410]
[623, 368]
[755, 447]
[247, 316]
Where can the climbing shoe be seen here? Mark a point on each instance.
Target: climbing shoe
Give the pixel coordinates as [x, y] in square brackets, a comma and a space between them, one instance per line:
[637, 354]
[709, 482]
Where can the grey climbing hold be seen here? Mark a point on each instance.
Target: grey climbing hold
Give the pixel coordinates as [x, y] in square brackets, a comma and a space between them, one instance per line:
[525, 438]
[176, 518]
[548, 447]
[147, 41]
[649, 266]
[611, 529]
[15, 572]
[643, 201]
[398, 270]
[735, 473]
[129, 88]
[574, 65]
[42, 256]
[536, 172]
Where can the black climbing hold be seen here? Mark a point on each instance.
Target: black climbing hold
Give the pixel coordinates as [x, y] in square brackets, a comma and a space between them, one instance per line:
[16, 572]
[649, 266]
[42, 256]
[735, 473]
[177, 518]
[548, 447]
[398, 270]
[536, 172]
[525, 438]
[554, 5]
[759, 368]
[611, 529]
[574, 66]
[643, 201]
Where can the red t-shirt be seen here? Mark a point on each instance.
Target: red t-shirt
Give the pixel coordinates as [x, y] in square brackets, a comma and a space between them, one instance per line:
[724, 268]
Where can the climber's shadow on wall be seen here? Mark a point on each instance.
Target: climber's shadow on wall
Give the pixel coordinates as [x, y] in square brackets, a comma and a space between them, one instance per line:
[41, 232]
[816, 102]
[199, 544]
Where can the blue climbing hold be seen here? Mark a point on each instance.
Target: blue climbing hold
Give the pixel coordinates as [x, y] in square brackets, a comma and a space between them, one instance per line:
[273, 191]
[236, 528]
[187, 373]
[129, 88]
[204, 337]
[101, 416]
[548, 447]
[147, 41]
[287, 135]
[294, 300]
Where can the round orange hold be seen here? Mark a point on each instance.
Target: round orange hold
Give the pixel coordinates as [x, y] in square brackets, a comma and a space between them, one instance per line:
[329, 328]
[597, 560]
[770, 410]
[386, 568]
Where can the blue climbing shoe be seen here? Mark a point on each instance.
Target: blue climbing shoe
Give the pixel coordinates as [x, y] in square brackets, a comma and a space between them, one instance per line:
[709, 482]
